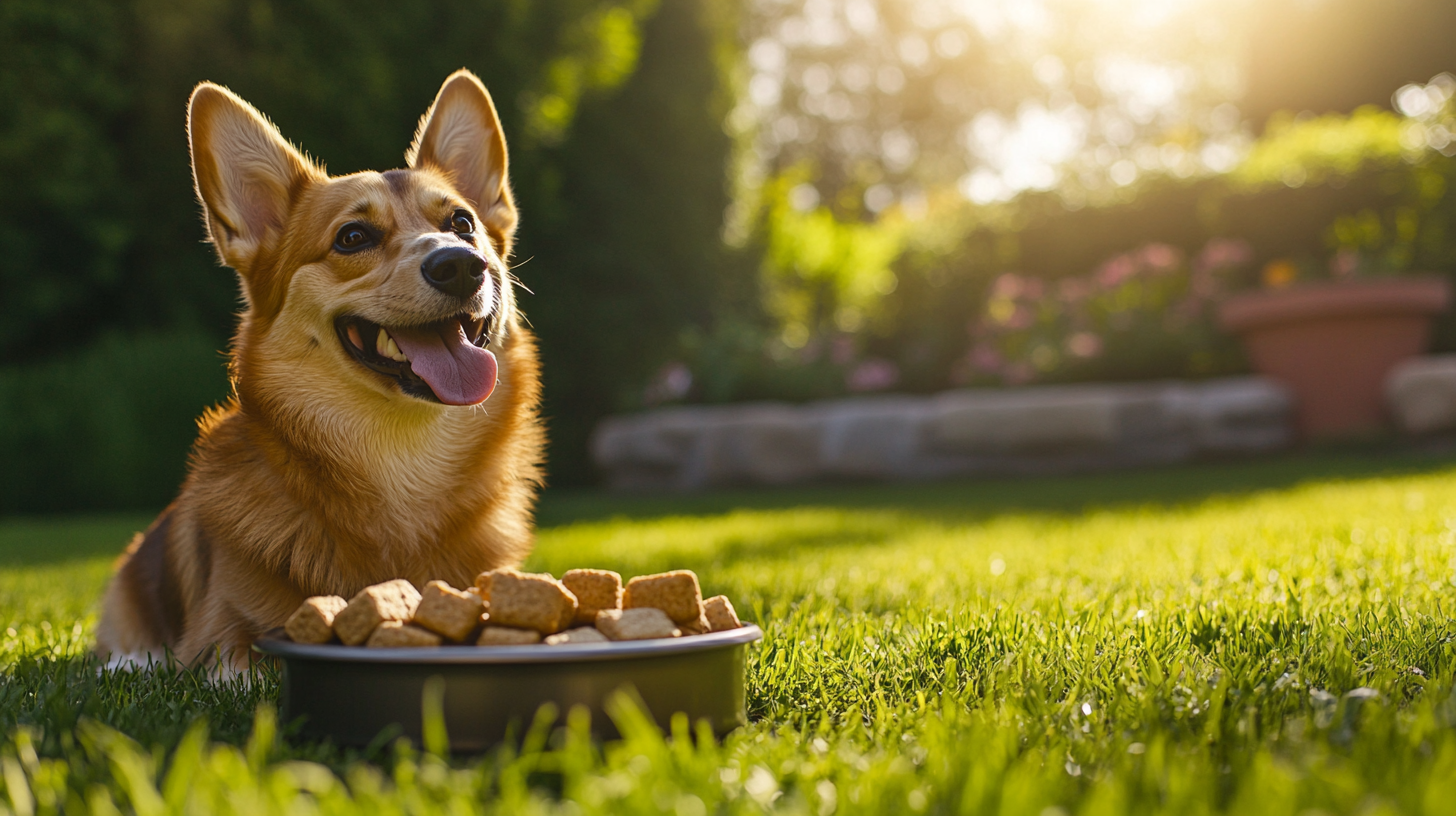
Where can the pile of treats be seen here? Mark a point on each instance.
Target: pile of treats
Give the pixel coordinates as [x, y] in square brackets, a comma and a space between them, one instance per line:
[510, 608]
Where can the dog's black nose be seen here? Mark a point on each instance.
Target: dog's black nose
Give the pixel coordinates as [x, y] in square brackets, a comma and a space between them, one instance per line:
[456, 271]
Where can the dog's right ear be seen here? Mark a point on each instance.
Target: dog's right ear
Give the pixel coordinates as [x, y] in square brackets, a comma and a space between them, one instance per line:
[246, 173]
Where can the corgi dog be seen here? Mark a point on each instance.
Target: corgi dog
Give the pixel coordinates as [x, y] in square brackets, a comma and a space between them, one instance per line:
[383, 422]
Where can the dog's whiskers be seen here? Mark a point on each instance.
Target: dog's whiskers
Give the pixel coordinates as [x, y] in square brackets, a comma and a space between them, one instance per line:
[517, 281]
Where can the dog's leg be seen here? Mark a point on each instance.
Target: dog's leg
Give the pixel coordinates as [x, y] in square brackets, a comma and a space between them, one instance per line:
[142, 611]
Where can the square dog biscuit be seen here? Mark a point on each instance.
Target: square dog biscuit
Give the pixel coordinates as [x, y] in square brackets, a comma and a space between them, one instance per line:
[696, 627]
[720, 614]
[447, 611]
[507, 636]
[581, 634]
[595, 590]
[530, 601]
[484, 580]
[395, 635]
[390, 601]
[313, 622]
[675, 593]
[643, 623]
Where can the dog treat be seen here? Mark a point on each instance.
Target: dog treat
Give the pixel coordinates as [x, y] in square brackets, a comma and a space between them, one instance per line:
[581, 634]
[390, 601]
[483, 582]
[643, 623]
[313, 622]
[507, 636]
[507, 607]
[395, 634]
[530, 601]
[696, 627]
[720, 615]
[595, 590]
[447, 611]
[675, 593]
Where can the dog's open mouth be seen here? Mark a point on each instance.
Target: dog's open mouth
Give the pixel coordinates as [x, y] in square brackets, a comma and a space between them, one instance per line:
[445, 361]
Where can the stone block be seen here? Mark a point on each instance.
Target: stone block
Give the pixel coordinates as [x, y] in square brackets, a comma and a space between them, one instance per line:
[758, 443]
[870, 437]
[648, 451]
[1042, 421]
[1421, 393]
[1240, 415]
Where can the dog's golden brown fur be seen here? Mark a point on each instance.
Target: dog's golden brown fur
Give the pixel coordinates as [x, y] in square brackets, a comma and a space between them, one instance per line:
[322, 475]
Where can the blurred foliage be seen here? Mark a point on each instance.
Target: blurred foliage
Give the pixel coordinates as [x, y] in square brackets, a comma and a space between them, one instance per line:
[1317, 149]
[612, 108]
[892, 98]
[854, 265]
[1141, 314]
[107, 426]
[820, 272]
[621, 240]
[1317, 198]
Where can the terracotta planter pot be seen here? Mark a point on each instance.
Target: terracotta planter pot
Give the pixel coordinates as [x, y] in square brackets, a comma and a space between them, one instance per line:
[1333, 344]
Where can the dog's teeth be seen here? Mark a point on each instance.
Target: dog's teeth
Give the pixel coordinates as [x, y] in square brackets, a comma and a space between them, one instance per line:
[391, 350]
[382, 341]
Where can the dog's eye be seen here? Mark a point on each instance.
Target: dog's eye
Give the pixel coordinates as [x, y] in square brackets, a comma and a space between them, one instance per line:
[353, 237]
[461, 223]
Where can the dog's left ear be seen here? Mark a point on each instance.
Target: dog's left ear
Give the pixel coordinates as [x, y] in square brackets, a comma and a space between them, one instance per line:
[461, 135]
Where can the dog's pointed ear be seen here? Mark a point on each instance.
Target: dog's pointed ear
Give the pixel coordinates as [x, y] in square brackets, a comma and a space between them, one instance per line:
[245, 171]
[461, 135]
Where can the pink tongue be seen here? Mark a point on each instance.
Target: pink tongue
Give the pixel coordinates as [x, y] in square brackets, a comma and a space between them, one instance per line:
[458, 371]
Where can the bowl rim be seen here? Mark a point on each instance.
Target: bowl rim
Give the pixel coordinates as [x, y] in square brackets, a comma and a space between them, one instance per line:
[273, 643]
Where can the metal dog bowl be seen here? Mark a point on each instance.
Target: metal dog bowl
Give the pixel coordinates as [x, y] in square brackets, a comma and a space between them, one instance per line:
[351, 694]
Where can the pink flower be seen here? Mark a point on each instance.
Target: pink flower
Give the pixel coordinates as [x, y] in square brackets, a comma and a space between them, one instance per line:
[1115, 271]
[873, 375]
[1203, 284]
[1221, 253]
[986, 358]
[1007, 286]
[672, 383]
[1084, 345]
[1345, 263]
[1160, 257]
[1072, 290]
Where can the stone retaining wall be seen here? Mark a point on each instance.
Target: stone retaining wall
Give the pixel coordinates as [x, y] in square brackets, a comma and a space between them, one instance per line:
[1043, 429]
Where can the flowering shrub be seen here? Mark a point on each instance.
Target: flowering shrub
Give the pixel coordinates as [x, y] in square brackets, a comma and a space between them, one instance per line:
[1145, 312]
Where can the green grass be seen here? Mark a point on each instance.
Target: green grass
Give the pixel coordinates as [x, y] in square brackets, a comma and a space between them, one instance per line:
[1264, 638]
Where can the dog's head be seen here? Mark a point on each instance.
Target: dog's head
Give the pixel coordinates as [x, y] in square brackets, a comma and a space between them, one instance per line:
[391, 283]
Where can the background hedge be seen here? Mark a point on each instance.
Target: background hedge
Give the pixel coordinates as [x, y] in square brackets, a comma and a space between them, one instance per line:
[114, 312]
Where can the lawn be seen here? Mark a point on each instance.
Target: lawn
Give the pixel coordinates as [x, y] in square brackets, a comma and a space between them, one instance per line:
[1265, 638]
